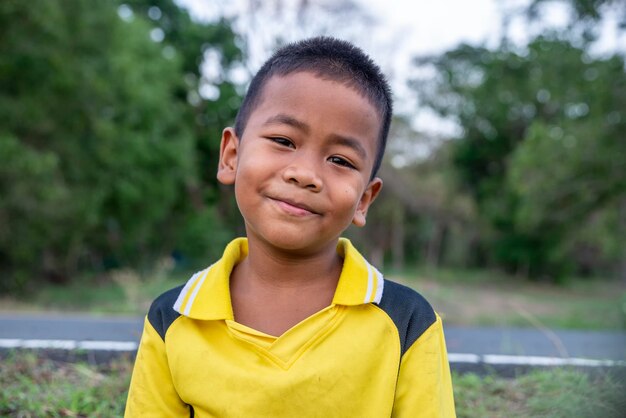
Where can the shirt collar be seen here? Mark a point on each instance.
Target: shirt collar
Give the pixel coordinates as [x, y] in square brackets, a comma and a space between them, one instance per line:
[206, 295]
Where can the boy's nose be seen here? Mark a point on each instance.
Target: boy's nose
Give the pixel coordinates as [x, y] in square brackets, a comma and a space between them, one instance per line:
[302, 176]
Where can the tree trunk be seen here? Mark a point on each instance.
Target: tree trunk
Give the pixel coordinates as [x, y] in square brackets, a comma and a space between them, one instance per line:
[397, 238]
[434, 245]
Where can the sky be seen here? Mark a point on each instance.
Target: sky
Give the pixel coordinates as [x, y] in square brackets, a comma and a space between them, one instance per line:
[393, 32]
[427, 25]
[415, 26]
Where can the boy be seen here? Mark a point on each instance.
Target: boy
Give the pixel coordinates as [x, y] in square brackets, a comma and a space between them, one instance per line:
[292, 321]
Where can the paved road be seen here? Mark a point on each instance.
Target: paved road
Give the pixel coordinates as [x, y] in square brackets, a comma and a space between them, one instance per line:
[70, 327]
[495, 346]
[532, 342]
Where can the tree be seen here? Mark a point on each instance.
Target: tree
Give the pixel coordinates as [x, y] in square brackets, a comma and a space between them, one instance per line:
[420, 216]
[96, 142]
[210, 95]
[583, 11]
[541, 150]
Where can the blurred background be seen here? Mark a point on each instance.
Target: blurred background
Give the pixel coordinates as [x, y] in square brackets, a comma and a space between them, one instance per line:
[505, 179]
[506, 165]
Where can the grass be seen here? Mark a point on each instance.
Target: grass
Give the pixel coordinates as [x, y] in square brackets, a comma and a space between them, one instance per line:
[552, 393]
[493, 299]
[122, 292]
[462, 298]
[35, 387]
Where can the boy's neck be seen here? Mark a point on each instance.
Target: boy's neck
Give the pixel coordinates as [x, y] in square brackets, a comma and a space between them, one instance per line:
[272, 291]
[275, 269]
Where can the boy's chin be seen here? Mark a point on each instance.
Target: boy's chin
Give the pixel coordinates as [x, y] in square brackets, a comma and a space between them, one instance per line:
[297, 244]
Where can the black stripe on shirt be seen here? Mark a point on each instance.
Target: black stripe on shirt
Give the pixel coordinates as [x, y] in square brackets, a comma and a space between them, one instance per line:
[162, 313]
[411, 313]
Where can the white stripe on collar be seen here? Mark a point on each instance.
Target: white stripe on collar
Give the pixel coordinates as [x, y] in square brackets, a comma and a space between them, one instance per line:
[198, 277]
[372, 272]
[183, 293]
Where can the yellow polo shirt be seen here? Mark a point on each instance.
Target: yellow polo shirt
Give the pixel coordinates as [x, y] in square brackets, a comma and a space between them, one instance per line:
[377, 351]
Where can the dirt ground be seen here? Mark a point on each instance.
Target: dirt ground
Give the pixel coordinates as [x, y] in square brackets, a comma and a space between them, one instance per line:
[579, 305]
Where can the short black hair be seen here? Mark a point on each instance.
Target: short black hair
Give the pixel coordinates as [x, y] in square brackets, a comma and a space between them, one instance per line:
[332, 59]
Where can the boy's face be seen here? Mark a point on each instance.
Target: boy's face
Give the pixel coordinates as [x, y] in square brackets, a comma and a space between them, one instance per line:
[302, 169]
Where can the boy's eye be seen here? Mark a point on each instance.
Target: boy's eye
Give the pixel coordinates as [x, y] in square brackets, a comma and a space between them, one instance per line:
[341, 161]
[282, 141]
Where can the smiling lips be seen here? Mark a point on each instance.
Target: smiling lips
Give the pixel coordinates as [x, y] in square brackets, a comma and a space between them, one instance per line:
[294, 208]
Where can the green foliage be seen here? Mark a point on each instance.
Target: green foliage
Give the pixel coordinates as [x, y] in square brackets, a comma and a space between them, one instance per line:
[587, 11]
[36, 387]
[106, 145]
[196, 43]
[31, 203]
[541, 150]
[203, 236]
[542, 393]
[93, 94]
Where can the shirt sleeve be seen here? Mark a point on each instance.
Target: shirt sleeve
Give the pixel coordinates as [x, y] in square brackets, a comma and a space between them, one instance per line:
[424, 387]
[152, 392]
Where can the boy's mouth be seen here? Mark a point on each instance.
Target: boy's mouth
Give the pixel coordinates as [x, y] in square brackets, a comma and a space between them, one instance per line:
[294, 208]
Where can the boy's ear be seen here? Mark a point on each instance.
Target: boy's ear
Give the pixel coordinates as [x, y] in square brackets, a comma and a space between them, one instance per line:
[229, 151]
[372, 190]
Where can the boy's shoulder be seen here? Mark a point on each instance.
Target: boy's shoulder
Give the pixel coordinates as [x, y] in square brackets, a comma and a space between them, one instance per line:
[161, 313]
[409, 310]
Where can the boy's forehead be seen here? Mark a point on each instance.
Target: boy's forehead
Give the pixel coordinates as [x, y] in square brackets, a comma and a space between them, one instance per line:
[305, 97]
[299, 79]
[307, 82]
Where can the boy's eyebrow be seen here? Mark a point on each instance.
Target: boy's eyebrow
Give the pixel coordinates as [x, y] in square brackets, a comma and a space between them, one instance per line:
[350, 143]
[282, 118]
[346, 141]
